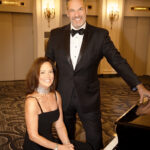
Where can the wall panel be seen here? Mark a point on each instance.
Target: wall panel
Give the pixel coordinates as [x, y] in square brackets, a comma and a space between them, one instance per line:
[6, 47]
[135, 41]
[23, 44]
[129, 39]
[16, 45]
[142, 37]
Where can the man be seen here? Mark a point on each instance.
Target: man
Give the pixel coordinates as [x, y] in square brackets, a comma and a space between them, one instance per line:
[77, 56]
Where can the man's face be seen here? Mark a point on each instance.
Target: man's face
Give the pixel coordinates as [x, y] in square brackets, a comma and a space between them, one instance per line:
[76, 12]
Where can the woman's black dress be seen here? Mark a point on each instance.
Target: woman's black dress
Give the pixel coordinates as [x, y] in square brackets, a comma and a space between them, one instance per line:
[45, 121]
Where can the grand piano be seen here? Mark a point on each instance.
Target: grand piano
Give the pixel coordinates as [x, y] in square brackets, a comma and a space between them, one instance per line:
[133, 131]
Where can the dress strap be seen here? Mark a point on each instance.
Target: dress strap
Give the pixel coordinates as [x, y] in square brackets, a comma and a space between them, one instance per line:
[37, 102]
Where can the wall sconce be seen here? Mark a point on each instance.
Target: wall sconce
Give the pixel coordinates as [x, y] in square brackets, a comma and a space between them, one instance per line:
[113, 14]
[49, 11]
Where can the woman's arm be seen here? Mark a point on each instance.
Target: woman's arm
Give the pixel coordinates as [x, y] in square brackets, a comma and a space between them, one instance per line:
[31, 117]
[59, 124]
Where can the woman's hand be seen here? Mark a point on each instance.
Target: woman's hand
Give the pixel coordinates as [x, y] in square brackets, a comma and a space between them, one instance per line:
[66, 147]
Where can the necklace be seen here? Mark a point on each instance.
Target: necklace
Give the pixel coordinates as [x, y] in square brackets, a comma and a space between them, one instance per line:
[42, 90]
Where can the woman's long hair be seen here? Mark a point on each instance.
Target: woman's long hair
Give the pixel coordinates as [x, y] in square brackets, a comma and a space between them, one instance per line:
[32, 78]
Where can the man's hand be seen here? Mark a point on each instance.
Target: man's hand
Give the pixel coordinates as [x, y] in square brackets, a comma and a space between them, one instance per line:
[143, 92]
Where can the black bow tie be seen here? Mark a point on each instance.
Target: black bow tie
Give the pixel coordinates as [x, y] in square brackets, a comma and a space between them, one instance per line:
[81, 31]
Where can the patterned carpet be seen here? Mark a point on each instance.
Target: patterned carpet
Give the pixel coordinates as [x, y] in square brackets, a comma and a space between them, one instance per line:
[116, 99]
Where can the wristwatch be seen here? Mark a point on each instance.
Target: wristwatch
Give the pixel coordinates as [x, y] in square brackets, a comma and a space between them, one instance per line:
[56, 148]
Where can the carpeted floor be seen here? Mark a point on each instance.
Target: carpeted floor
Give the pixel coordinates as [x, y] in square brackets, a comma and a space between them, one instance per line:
[116, 99]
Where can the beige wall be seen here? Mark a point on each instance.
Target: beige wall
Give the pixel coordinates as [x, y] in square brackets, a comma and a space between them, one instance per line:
[135, 37]
[115, 32]
[133, 3]
[135, 42]
[6, 50]
[41, 25]
[16, 45]
[26, 8]
[23, 44]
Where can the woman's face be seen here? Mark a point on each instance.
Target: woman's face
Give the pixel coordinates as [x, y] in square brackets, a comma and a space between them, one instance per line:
[46, 75]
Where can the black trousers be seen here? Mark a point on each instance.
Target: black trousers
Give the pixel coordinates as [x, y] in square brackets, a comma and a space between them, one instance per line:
[91, 123]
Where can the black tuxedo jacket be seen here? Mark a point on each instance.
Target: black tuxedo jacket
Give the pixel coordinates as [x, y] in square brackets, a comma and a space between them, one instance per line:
[96, 44]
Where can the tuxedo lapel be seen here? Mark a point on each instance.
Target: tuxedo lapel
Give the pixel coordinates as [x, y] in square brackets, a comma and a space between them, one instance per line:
[67, 44]
[84, 44]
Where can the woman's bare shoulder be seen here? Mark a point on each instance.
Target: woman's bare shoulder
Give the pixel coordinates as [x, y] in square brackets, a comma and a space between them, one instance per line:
[31, 98]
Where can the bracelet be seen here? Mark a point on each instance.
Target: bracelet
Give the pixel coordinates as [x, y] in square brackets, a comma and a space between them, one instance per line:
[56, 148]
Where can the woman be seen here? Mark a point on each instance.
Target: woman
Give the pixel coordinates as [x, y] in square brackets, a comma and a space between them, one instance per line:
[43, 108]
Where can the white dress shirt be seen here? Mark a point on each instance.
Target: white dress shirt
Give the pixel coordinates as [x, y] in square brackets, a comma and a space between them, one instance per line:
[75, 46]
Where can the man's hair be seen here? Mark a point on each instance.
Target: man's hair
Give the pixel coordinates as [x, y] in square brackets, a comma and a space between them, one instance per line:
[32, 78]
[71, 0]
